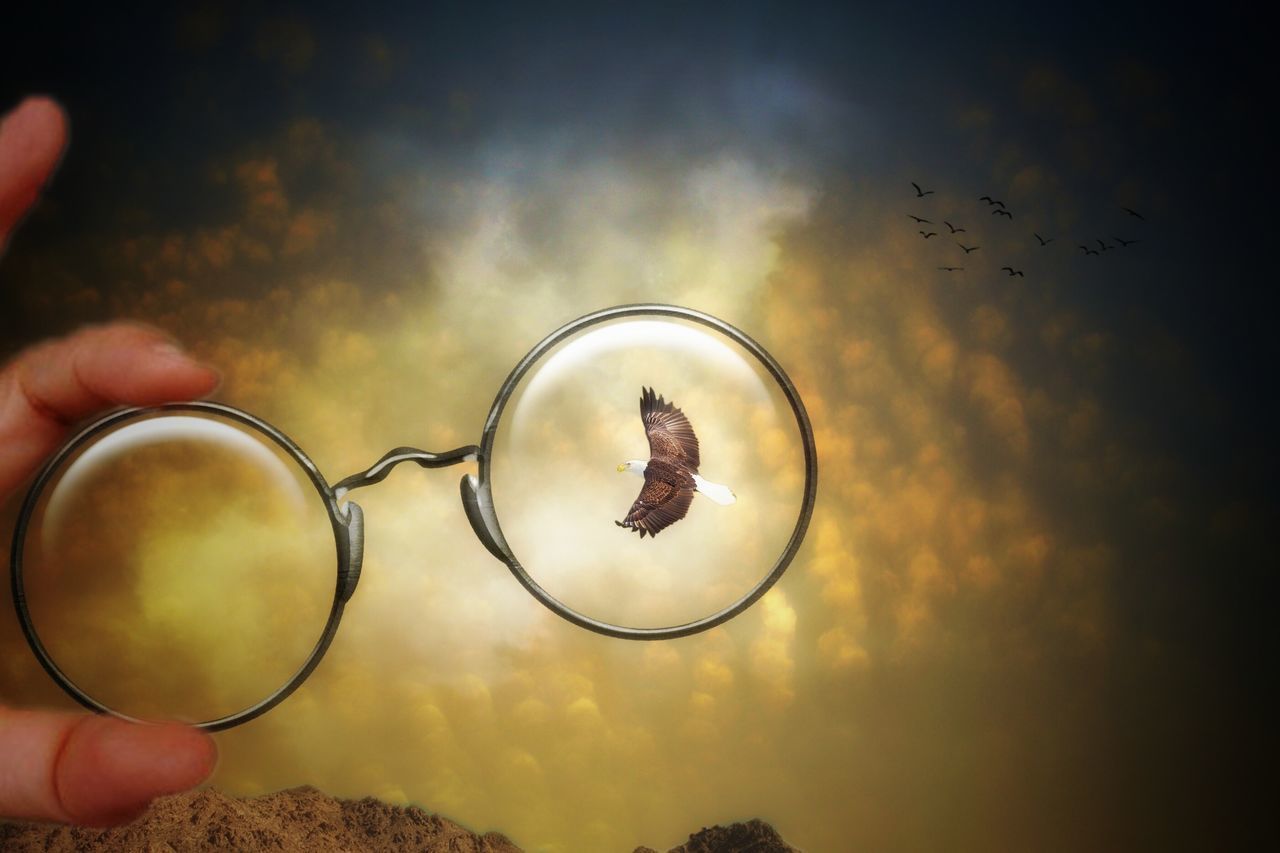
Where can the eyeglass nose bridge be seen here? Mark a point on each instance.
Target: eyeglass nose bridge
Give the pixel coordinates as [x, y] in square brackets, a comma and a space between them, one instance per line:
[348, 518]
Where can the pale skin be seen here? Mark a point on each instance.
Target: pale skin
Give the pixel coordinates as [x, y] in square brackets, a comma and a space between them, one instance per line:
[59, 766]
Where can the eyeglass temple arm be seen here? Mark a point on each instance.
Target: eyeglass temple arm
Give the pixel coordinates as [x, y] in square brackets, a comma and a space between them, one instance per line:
[378, 471]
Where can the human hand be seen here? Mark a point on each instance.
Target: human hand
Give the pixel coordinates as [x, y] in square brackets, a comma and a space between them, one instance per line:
[80, 768]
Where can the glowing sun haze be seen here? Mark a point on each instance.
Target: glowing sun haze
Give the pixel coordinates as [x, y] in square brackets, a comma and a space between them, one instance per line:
[557, 492]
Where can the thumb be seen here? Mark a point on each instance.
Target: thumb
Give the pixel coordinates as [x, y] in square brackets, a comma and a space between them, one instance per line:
[94, 770]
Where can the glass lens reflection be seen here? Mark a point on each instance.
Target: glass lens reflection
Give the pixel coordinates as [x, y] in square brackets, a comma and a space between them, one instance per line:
[179, 567]
[575, 419]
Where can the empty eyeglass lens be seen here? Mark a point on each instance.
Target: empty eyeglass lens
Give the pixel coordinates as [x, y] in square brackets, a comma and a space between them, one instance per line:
[602, 430]
[179, 567]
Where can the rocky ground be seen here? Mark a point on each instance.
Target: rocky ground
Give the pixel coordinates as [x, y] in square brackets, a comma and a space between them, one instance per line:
[304, 819]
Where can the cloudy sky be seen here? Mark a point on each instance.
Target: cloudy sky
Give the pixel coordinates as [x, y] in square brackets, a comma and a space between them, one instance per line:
[1028, 611]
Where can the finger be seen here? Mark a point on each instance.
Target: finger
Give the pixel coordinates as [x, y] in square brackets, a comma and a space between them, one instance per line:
[50, 387]
[32, 136]
[92, 770]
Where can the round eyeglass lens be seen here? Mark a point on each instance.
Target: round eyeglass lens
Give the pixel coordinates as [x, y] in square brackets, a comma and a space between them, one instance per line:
[648, 471]
[179, 567]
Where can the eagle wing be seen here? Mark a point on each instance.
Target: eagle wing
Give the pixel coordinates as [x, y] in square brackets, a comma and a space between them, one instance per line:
[659, 505]
[669, 431]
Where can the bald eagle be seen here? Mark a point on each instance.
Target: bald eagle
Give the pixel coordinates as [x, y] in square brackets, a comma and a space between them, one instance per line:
[671, 474]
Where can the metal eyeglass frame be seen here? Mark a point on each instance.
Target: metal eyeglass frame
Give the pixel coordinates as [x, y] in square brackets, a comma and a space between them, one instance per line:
[347, 518]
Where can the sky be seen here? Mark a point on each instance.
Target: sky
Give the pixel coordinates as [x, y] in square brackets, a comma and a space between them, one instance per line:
[1029, 610]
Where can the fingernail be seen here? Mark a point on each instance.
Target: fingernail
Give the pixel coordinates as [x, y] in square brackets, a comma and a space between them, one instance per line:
[177, 357]
[170, 350]
[174, 757]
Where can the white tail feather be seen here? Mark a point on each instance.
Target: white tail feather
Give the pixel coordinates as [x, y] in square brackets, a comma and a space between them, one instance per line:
[722, 495]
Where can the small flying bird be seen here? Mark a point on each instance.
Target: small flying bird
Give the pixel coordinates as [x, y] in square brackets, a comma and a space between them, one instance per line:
[671, 474]
[954, 230]
[989, 200]
[919, 192]
[1002, 213]
[1124, 242]
[1043, 241]
[930, 234]
[1089, 251]
[1134, 213]
[919, 220]
[1012, 271]
[1104, 246]
[968, 249]
[952, 269]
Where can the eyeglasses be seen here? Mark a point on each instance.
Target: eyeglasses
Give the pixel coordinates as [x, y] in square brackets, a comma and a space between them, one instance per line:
[173, 561]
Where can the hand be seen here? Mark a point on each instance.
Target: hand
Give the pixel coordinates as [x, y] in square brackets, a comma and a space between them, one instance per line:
[80, 768]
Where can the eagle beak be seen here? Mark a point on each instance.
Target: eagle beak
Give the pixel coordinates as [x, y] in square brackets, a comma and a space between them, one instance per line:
[622, 467]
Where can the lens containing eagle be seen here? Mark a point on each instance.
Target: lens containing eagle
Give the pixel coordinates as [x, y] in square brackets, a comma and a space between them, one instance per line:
[179, 567]
[717, 448]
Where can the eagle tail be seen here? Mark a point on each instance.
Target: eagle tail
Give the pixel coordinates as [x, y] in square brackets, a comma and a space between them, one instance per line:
[722, 495]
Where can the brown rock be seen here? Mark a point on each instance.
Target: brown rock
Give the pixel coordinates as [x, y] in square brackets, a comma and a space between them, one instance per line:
[304, 819]
[754, 835]
[300, 819]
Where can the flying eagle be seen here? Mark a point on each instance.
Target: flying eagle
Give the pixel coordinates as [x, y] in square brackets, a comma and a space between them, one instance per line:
[671, 474]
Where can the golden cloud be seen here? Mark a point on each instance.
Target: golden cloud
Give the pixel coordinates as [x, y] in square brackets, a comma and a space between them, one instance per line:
[448, 685]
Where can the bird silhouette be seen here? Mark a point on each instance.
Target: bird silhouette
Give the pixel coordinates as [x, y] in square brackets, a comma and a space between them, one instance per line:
[951, 269]
[954, 230]
[930, 234]
[1043, 241]
[1104, 246]
[968, 249]
[1012, 271]
[1089, 251]
[1132, 212]
[990, 201]
[919, 192]
[1002, 213]
[921, 221]
[1124, 242]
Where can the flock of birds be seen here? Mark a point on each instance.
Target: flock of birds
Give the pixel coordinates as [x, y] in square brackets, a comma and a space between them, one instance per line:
[1000, 209]
[671, 477]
